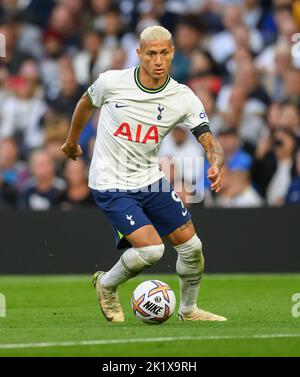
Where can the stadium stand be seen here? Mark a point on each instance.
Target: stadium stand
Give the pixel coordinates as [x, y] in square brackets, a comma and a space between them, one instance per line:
[239, 57]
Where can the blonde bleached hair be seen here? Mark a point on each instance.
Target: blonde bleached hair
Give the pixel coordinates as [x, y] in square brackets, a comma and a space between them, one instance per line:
[155, 33]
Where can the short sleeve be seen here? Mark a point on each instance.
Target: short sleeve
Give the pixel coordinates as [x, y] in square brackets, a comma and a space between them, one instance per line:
[194, 115]
[97, 91]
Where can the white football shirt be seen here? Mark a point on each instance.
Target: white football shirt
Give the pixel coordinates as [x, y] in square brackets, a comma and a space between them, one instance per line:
[132, 124]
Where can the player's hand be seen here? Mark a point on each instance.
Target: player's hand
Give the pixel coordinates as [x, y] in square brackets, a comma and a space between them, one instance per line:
[263, 146]
[214, 175]
[72, 151]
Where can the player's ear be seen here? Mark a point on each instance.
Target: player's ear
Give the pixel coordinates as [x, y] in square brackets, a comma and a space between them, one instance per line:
[138, 51]
[172, 52]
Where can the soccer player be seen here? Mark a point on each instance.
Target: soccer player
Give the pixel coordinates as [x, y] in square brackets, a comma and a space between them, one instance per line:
[139, 107]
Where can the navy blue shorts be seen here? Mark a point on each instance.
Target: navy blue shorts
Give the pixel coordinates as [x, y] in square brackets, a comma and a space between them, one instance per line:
[128, 210]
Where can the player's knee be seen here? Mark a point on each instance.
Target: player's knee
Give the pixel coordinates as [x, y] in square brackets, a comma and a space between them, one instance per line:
[151, 254]
[190, 252]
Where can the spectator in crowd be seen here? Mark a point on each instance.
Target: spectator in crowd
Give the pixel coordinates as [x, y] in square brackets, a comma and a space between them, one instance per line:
[293, 194]
[100, 8]
[235, 157]
[211, 11]
[258, 99]
[3, 83]
[273, 77]
[69, 94]
[292, 86]
[240, 113]
[23, 115]
[28, 37]
[281, 115]
[246, 77]
[75, 7]
[204, 73]
[119, 57]
[49, 64]
[237, 191]
[77, 193]
[112, 28]
[13, 173]
[274, 165]
[93, 59]
[10, 6]
[34, 12]
[296, 11]
[242, 38]
[67, 25]
[222, 45]
[242, 56]
[257, 17]
[13, 58]
[187, 39]
[162, 11]
[201, 63]
[286, 27]
[29, 70]
[42, 190]
[273, 116]
[290, 117]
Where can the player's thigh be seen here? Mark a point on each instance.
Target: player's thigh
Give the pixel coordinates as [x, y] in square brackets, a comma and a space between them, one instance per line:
[131, 225]
[168, 215]
[182, 234]
[144, 236]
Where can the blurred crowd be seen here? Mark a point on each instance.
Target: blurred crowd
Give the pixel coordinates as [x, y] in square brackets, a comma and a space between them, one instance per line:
[240, 57]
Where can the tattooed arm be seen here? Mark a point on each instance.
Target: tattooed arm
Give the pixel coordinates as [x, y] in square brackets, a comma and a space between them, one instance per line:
[213, 149]
[215, 156]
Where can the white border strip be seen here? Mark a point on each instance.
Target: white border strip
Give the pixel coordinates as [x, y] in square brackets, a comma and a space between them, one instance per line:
[142, 340]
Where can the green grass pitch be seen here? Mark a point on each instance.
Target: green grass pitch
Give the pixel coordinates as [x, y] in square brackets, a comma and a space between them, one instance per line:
[56, 309]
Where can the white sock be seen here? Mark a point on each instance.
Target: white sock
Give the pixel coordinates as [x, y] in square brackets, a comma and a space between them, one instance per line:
[132, 262]
[189, 266]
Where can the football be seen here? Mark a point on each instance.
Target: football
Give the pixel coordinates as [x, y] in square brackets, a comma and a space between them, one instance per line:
[153, 302]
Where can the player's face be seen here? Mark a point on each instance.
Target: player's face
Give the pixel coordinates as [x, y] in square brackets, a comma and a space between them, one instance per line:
[156, 57]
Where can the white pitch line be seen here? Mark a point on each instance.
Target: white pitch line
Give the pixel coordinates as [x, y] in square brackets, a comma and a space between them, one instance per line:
[142, 340]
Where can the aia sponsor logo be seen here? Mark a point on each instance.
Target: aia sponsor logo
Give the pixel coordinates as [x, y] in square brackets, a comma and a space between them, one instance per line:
[139, 135]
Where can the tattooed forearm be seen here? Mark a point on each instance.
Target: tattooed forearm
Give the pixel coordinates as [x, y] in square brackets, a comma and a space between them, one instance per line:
[213, 149]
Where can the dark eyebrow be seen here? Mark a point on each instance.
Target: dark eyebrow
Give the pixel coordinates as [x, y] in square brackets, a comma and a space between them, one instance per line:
[153, 51]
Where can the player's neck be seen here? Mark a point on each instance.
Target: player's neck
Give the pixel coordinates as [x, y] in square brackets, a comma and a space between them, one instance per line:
[149, 82]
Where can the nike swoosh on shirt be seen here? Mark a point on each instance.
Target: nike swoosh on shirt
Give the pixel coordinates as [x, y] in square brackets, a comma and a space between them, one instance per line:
[119, 106]
[184, 212]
